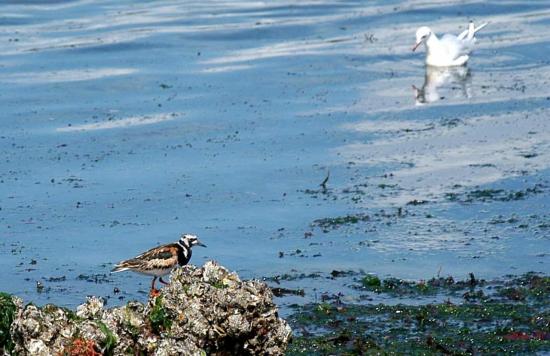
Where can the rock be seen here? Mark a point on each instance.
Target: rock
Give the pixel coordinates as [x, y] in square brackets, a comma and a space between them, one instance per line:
[91, 310]
[203, 311]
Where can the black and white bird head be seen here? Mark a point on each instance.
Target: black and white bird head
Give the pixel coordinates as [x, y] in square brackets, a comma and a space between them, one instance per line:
[188, 241]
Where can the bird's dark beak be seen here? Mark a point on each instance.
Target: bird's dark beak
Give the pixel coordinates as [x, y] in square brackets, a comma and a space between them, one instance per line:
[416, 45]
[198, 243]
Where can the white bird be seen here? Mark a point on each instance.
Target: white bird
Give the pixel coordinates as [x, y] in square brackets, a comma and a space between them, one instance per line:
[450, 50]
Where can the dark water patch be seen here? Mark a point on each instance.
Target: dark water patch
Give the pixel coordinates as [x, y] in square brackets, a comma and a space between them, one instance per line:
[417, 202]
[135, 46]
[15, 21]
[280, 292]
[95, 278]
[56, 279]
[333, 223]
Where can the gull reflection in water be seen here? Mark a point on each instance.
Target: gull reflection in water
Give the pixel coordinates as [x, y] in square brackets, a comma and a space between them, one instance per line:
[443, 79]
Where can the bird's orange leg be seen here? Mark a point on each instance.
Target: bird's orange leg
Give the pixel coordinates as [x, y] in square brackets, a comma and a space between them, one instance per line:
[154, 292]
[163, 282]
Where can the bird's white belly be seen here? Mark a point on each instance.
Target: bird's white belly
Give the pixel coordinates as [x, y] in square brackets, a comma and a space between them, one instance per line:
[156, 272]
[445, 60]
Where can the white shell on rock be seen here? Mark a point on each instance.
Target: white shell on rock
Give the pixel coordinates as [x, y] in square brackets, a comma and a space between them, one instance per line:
[91, 309]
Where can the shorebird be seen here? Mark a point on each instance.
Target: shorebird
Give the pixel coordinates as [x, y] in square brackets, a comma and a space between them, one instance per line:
[449, 50]
[161, 260]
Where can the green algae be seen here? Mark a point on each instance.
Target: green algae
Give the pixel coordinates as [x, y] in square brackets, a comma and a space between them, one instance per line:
[159, 318]
[487, 328]
[528, 286]
[218, 285]
[401, 287]
[371, 282]
[7, 314]
[291, 277]
[493, 323]
[108, 345]
[492, 195]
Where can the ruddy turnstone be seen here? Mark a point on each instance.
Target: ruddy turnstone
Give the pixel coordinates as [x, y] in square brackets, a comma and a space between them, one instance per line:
[161, 260]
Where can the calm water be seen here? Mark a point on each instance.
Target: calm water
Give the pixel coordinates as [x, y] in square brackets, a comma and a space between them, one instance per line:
[125, 123]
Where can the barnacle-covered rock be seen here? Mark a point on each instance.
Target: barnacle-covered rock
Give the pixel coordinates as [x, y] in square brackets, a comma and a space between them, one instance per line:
[214, 307]
[92, 309]
[204, 310]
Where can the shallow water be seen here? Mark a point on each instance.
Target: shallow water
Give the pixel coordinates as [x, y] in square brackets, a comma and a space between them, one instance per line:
[126, 123]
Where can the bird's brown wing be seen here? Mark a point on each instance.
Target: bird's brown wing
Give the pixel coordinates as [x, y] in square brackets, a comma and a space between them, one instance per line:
[156, 258]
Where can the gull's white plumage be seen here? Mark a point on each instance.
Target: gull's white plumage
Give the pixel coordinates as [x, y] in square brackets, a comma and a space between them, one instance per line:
[449, 50]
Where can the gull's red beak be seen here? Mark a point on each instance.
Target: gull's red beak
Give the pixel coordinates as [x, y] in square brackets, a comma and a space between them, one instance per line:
[416, 46]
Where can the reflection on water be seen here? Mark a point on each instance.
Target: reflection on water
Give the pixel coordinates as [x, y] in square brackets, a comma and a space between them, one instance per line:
[439, 79]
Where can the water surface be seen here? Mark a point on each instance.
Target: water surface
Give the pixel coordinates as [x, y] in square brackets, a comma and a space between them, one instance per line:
[125, 123]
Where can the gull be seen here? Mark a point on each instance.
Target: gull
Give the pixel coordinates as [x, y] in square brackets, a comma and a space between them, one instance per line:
[449, 50]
